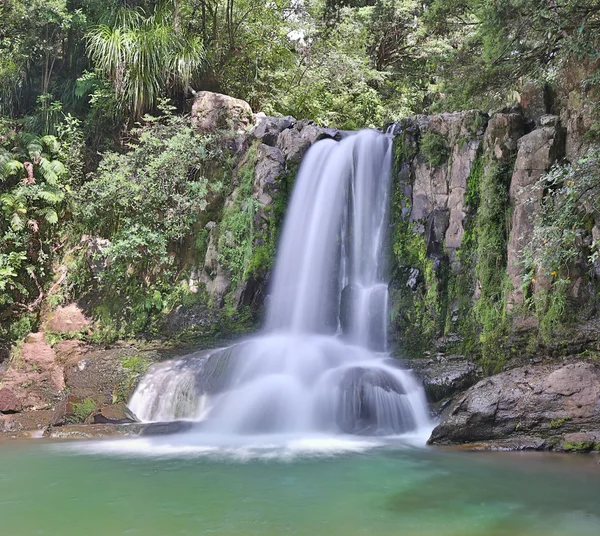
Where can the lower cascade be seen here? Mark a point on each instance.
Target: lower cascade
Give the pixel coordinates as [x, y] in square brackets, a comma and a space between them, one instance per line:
[320, 364]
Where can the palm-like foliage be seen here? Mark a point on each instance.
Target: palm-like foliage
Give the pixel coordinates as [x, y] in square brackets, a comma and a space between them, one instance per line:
[144, 56]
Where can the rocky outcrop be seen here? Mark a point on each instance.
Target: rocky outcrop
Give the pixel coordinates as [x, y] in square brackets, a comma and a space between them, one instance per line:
[445, 376]
[538, 151]
[279, 144]
[9, 401]
[34, 374]
[67, 319]
[437, 187]
[213, 112]
[540, 407]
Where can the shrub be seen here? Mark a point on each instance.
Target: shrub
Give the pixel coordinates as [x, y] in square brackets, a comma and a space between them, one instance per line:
[434, 148]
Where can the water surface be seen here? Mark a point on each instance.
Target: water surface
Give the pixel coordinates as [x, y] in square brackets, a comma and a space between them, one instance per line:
[311, 486]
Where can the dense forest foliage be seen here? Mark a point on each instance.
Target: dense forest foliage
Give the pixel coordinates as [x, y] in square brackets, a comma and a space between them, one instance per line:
[83, 85]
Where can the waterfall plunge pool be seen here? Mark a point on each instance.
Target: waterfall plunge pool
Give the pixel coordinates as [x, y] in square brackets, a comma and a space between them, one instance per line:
[313, 487]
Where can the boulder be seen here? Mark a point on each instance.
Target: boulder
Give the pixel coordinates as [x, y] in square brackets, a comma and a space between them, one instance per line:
[360, 410]
[9, 401]
[445, 376]
[543, 402]
[68, 319]
[293, 145]
[294, 142]
[212, 112]
[114, 414]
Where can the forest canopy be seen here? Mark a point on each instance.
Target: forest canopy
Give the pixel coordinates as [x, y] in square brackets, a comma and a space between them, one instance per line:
[84, 86]
[350, 63]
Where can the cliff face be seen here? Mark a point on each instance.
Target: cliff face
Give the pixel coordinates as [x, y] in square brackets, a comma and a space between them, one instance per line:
[466, 196]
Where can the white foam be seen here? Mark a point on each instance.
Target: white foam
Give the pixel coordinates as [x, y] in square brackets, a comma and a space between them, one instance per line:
[234, 447]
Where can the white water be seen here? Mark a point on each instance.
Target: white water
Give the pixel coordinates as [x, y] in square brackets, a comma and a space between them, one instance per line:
[319, 366]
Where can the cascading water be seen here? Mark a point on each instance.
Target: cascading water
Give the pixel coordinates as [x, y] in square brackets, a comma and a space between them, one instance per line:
[320, 364]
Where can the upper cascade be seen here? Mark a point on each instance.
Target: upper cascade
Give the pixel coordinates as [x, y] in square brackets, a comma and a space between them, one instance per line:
[320, 364]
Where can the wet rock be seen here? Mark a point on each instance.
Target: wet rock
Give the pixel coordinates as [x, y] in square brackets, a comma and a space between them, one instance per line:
[212, 112]
[93, 431]
[413, 278]
[581, 442]
[114, 414]
[359, 411]
[166, 428]
[445, 377]
[9, 401]
[542, 401]
[505, 445]
[294, 142]
[214, 276]
[293, 145]
[269, 165]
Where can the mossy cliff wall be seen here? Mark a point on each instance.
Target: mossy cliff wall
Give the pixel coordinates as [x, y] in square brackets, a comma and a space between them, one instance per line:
[464, 202]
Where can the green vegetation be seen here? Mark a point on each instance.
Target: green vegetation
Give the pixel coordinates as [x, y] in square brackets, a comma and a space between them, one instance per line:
[82, 410]
[557, 423]
[134, 368]
[434, 148]
[236, 238]
[106, 190]
[562, 238]
[580, 446]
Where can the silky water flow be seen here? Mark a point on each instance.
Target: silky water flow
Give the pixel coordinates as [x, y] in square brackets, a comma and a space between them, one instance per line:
[320, 363]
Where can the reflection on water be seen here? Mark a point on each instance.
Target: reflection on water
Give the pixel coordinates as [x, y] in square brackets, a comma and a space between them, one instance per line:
[315, 486]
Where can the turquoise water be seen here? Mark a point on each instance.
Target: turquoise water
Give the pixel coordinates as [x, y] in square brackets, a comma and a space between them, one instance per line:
[312, 487]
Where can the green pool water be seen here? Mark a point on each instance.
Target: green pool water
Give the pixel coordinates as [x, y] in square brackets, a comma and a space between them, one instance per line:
[145, 488]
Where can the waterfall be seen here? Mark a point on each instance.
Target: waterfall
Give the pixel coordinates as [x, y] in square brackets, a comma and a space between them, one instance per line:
[320, 363]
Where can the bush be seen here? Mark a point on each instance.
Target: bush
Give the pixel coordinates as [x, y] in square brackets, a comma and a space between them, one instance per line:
[434, 148]
[149, 204]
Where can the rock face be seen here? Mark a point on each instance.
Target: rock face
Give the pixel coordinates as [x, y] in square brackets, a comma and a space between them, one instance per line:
[541, 407]
[437, 197]
[280, 144]
[537, 152]
[35, 376]
[9, 402]
[212, 112]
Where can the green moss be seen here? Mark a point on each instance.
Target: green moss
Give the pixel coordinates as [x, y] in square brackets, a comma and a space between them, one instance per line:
[415, 313]
[82, 410]
[557, 423]
[580, 446]
[404, 150]
[134, 368]
[434, 148]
